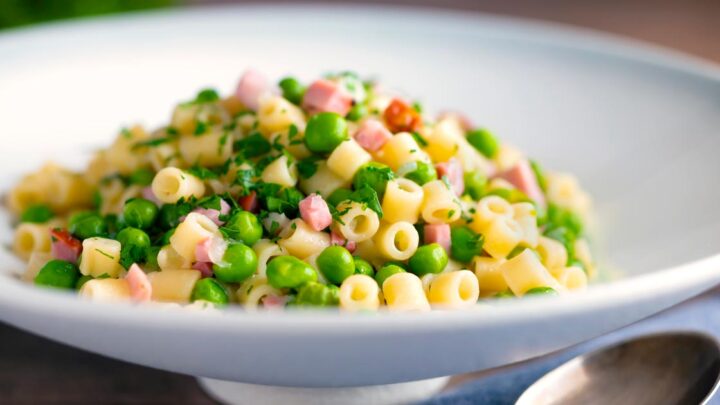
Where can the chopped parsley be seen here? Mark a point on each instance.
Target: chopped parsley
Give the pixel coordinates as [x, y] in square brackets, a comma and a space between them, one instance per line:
[246, 180]
[368, 197]
[419, 139]
[200, 128]
[308, 167]
[202, 173]
[109, 256]
[207, 96]
[253, 146]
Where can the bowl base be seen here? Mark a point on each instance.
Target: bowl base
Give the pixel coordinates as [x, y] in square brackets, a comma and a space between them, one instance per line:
[234, 393]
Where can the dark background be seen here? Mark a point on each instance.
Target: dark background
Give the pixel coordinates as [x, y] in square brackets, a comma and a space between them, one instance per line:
[36, 370]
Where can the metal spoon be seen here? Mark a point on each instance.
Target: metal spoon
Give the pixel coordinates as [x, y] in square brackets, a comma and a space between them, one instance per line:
[671, 368]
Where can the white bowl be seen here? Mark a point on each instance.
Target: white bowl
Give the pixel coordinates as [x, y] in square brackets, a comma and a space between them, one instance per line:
[639, 125]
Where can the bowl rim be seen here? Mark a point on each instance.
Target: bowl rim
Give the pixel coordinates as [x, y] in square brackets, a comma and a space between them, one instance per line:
[19, 296]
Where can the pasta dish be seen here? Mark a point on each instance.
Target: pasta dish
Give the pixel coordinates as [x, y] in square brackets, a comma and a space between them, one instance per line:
[332, 193]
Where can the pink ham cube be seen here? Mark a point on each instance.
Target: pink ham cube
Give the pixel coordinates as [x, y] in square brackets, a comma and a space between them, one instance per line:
[211, 250]
[205, 269]
[523, 177]
[326, 96]
[315, 212]
[453, 170]
[64, 246]
[438, 233]
[140, 287]
[336, 239]
[252, 85]
[213, 214]
[372, 135]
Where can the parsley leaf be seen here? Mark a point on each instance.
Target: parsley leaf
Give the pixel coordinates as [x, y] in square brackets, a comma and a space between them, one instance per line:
[207, 96]
[252, 146]
[419, 139]
[202, 173]
[246, 180]
[307, 167]
[200, 128]
[367, 196]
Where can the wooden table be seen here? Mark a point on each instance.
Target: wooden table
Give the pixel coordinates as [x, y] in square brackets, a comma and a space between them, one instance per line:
[36, 370]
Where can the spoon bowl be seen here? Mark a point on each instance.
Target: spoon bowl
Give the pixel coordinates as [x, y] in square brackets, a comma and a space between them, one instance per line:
[670, 368]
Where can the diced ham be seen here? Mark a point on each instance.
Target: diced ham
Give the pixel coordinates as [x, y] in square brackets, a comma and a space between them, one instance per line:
[336, 239]
[64, 246]
[315, 212]
[148, 194]
[211, 250]
[401, 117]
[438, 233]
[273, 302]
[213, 214]
[523, 177]
[249, 202]
[372, 135]
[252, 85]
[326, 96]
[140, 287]
[454, 171]
[205, 268]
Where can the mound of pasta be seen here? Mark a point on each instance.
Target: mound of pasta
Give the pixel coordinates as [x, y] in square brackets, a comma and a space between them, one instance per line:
[335, 193]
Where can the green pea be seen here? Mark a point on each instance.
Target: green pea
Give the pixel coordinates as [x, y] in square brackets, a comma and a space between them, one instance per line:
[292, 90]
[363, 267]
[420, 172]
[317, 295]
[140, 213]
[400, 264]
[134, 244]
[37, 213]
[87, 225]
[387, 271]
[170, 214]
[428, 259]
[561, 217]
[356, 112]
[245, 227]
[325, 131]
[81, 281]
[373, 174]
[475, 183]
[336, 263]
[238, 263]
[209, 289]
[564, 236]
[484, 141]
[465, 244]
[504, 294]
[289, 272]
[58, 274]
[142, 177]
[338, 196]
[541, 291]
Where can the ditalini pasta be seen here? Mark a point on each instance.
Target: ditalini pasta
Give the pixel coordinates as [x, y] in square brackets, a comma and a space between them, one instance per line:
[331, 193]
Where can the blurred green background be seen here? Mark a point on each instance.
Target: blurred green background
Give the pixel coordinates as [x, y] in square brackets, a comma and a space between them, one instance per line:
[22, 12]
